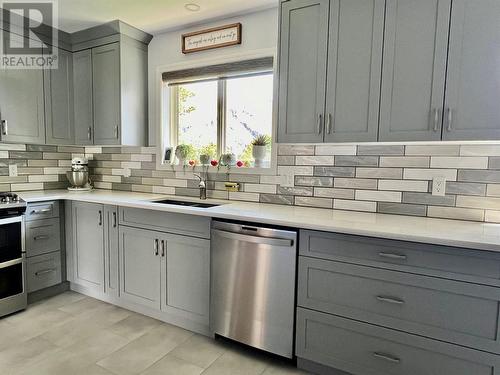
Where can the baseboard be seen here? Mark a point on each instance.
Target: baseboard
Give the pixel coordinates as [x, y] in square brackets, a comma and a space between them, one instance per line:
[156, 314]
[316, 368]
[48, 292]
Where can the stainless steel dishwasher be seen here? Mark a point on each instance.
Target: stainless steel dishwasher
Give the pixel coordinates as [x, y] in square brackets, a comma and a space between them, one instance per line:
[253, 285]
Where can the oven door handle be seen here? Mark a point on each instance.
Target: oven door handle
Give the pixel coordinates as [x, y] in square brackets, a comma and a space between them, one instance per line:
[11, 263]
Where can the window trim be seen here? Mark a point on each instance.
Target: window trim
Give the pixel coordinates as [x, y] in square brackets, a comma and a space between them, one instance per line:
[161, 111]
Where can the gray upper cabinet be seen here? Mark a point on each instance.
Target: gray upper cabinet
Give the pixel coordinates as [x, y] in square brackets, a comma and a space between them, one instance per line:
[472, 109]
[59, 110]
[354, 58]
[82, 85]
[106, 94]
[21, 104]
[413, 77]
[302, 81]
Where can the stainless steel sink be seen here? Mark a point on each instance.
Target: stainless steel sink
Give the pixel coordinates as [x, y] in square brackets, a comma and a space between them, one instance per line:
[187, 203]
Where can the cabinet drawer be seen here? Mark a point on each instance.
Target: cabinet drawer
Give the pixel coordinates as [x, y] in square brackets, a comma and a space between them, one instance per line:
[187, 225]
[365, 349]
[42, 236]
[452, 311]
[43, 271]
[412, 257]
[43, 210]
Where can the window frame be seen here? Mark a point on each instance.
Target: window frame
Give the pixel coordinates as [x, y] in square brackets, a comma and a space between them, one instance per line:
[221, 110]
[162, 111]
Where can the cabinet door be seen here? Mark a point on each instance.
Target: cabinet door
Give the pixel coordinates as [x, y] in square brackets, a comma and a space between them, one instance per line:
[414, 69]
[88, 245]
[82, 88]
[21, 103]
[111, 236]
[473, 84]
[106, 94]
[354, 64]
[58, 86]
[302, 71]
[186, 277]
[140, 266]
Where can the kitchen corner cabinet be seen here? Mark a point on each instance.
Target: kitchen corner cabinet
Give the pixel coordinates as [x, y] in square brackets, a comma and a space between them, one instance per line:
[110, 85]
[413, 76]
[58, 90]
[330, 61]
[21, 103]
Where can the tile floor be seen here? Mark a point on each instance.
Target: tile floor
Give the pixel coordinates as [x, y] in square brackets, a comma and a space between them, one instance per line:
[72, 334]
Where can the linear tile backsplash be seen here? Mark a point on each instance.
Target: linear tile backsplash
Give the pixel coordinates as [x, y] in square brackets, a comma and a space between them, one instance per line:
[394, 179]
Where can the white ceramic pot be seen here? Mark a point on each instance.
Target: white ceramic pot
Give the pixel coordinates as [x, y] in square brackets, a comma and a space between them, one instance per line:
[259, 154]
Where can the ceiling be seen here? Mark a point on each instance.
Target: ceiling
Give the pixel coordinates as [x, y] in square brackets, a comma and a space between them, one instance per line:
[152, 16]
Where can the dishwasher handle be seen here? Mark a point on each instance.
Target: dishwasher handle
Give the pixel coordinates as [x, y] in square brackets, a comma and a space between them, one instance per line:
[254, 239]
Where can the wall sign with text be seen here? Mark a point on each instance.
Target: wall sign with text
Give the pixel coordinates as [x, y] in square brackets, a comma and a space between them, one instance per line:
[216, 37]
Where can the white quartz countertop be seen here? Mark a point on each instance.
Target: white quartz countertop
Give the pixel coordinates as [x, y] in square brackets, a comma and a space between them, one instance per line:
[481, 236]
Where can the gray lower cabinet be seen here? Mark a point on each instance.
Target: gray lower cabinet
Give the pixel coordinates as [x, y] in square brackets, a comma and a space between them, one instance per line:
[106, 94]
[140, 266]
[473, 88]
[364, 349]
[414, 70]
[111, 260]
[371, 306]
[82, 94]
[59, 111]
[22, 104]
[302, 70]
[186, 278]
[88, 245]
[43, 271]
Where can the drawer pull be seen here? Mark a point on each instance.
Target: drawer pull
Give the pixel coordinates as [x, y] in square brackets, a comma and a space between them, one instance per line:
[41, 211]
[392, 256]
[41, 237]
[44, 272]
[393, 300]
[386, 357]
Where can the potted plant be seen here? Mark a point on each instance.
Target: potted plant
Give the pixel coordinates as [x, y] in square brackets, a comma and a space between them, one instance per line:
[182, 152]
[259, 149]
[207, 153]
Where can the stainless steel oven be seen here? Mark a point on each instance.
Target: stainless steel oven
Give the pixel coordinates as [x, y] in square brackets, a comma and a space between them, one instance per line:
[13, 295]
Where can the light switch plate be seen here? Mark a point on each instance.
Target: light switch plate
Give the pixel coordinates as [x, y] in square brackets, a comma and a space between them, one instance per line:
[439, 186]
[13, 170]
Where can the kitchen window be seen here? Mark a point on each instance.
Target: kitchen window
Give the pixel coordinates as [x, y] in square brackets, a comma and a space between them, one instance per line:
[221, 109]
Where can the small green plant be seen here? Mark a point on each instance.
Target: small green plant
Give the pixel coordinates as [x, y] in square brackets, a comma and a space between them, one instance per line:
[261, 140]
[183, 151]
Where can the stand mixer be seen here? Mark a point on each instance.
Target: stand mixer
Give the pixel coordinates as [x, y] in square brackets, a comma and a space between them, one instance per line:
[78, 177]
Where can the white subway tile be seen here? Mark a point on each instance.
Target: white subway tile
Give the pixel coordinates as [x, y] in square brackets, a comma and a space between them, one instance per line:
[403, 185]
[43, 178]
[260, 188]
[174, 182]
[336, 150]
[276, 180]
[492, 216]
[379, 196]
[341, 204]
[404, 161]
[486, 203]
[315, 160]
[239, 196]
[461, 162]
[455, 213]
[432, 150]
[28, 186]
[480, 150]
[493, 190]
[429, 174]
[164, 190]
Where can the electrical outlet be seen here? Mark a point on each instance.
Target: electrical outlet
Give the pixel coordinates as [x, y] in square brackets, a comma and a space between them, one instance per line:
[127, 172]
[439, 186]
[13, 170]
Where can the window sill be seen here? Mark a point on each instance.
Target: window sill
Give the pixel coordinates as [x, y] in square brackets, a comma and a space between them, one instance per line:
[222, 170]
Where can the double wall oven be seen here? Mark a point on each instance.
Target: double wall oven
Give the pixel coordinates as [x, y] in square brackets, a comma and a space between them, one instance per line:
[13, 295]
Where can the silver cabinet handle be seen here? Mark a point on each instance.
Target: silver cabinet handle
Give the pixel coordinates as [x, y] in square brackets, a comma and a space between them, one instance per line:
[100, 217]
[320, 121]
[116, 131]
[329, 124]
[41, 211]
[450, 120]
[436, 120]
[89, 133]
[5, 127]
[392, 256]
[41, 237]
[44, 272]
[163, 248]
[114, 220]
[392, 300]
[155, 247]
[387, 357]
